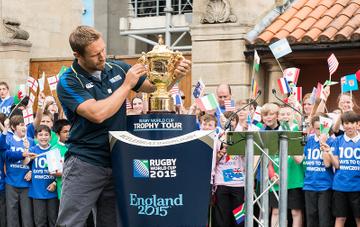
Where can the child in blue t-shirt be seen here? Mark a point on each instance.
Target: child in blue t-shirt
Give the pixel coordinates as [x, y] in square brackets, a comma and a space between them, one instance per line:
[6, 101]
[346, 160]
[318, 177]
[2, 172]
[43, 185]
[17, 177]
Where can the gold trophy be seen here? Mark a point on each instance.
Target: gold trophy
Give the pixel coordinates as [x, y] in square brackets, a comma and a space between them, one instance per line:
[161, 62]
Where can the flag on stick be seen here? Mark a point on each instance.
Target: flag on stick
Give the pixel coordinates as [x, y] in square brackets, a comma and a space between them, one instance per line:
[333, 64]
[349, 83]
[177, 99]
[257, 114]
[53, 80]
[256, 61]
[31, 100]
[128, 104]
[229, 105]
[254, 88]
[199, 89]
[41, 81]
[280, 48]
[207, 102]
[320, 92]
[313, 96]
[32, 83]
[325, 125]
[297, 92]
[284, 86]
[239, 213]
[358, 75]
[28, 116]
[174, 90]
[54, 161]
[291, 75]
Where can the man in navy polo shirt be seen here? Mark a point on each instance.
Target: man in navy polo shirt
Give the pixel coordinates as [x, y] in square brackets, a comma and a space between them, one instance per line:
[92, 93]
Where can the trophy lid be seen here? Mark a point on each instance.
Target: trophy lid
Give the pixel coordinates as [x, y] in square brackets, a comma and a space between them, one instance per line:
[160, 48]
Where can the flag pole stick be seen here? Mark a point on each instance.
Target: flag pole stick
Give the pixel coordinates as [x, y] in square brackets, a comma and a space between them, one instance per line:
[279, 65]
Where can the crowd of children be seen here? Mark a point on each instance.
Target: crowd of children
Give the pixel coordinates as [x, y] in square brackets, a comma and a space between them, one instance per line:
[29, 192]
[323, 190]
[323, 183]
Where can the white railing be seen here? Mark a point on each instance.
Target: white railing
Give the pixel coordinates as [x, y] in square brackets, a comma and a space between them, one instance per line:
[150, 8]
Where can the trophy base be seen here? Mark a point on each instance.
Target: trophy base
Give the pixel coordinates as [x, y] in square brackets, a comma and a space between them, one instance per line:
[161, 105]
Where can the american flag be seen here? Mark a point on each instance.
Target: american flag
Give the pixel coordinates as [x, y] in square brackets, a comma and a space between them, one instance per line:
[128, 105]
[333, 64]
[229, 105]
[174, 90]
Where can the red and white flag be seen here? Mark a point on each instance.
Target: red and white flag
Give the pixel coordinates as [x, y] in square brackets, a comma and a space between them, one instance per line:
[41, 81]
[284, 86]
[28, 116]
[257, 114]
[128, 105]
[320, 93]
[31, 100]
[291, 75]
[52, 81]
[174, 90]
[229, 105]
[332, 63]
[297, 92]
[32, 83]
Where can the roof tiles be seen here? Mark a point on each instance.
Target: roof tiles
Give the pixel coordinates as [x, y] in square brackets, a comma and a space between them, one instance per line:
[308, 21]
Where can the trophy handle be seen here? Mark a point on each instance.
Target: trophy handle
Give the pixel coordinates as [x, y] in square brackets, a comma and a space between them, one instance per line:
[144, 60]
[175, 58]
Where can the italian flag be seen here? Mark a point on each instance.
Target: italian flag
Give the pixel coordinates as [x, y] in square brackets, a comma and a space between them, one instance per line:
[207, 102]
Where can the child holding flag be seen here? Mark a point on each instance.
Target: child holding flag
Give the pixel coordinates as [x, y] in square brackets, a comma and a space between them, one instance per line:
[43, 185]
[17, 175]
[346, 183]
[229, 180]
[318, 176]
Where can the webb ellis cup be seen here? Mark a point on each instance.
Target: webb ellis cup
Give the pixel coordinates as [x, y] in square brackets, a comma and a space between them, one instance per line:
[161, 62]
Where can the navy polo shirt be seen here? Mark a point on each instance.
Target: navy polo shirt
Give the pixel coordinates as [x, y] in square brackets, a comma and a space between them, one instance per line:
[90, 141]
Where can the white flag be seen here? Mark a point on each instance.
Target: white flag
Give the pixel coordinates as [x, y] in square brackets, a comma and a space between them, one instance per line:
[41, 81]
[54, 161]
[52, 80]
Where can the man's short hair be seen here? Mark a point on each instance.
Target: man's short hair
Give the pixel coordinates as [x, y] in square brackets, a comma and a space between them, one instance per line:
[82, 37]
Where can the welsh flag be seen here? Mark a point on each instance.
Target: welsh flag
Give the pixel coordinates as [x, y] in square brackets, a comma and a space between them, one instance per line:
[256, 61]
[239, 213]
[325, 125]
[208, 102]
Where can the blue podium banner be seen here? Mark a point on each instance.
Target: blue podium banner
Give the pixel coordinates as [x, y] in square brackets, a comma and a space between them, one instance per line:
[163, 181]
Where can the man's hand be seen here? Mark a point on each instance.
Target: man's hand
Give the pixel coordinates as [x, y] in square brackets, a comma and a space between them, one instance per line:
[134, 73]
[182, 68]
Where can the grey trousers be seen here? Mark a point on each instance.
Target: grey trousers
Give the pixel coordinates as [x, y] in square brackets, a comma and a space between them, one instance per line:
[2, 209]
[86, 186]
[45, 212]
[18, 198]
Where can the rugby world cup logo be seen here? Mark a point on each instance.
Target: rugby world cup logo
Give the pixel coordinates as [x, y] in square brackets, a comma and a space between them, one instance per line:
[141, 168]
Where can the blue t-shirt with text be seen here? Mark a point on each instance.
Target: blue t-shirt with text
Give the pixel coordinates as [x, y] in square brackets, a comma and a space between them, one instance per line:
[317, 176]
[347, 177]
[15, 169]
[40, 178]
[5, 105]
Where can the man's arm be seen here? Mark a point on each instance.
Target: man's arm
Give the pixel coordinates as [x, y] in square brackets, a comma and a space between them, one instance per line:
[99, 111]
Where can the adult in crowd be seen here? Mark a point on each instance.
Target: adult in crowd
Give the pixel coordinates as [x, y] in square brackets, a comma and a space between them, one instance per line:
[93, 95]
